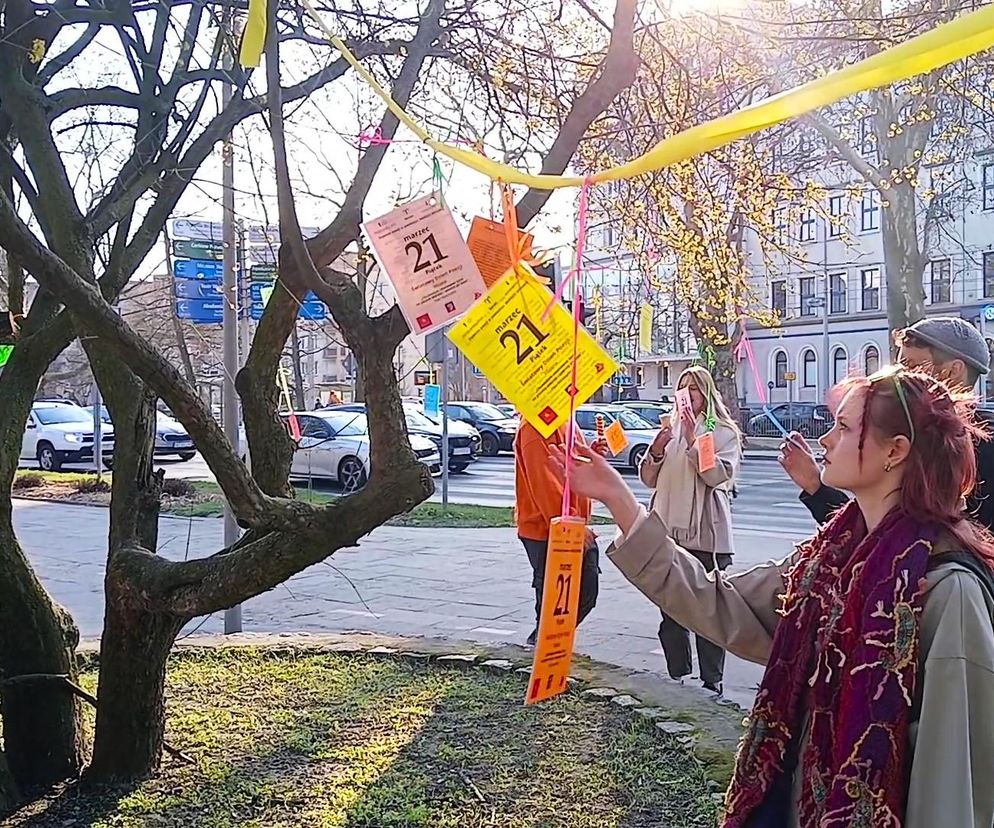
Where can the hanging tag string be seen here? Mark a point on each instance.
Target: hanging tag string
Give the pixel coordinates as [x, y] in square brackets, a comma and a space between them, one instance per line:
[576, 273]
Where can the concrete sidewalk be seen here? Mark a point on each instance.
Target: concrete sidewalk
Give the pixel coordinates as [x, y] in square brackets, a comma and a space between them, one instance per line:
[471, 584]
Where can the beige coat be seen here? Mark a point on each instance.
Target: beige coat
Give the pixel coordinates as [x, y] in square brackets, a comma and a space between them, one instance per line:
[952, 720]
[695, 505]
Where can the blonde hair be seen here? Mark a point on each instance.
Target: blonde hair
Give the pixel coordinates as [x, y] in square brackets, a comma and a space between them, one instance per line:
[702, 378]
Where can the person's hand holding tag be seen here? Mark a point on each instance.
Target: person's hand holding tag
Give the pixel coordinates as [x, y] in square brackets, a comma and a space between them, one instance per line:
[616, 438]
[705, 452]
[685, 409]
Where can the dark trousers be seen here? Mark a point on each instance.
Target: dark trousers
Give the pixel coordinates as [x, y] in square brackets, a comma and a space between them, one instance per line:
[676, 639]
[537, 552]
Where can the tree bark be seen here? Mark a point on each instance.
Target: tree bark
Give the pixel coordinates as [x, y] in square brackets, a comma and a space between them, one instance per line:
[9, 796]
[42, 725]
[131, 711]
[902, 255]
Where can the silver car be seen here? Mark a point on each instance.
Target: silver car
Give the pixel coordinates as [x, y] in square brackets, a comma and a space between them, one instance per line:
[640, 433]
[335, 445]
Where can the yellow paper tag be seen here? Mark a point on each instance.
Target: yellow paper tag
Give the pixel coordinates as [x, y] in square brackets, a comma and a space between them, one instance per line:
[528, 359]
[645, 328]
[560, 603]
[705, 452]
[616, 438]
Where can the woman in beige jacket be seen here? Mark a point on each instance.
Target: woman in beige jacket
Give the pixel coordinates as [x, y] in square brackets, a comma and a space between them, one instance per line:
[694, 504]
[877, 634]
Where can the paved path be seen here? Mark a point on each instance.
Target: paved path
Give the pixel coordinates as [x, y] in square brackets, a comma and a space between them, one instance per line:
[460, 583]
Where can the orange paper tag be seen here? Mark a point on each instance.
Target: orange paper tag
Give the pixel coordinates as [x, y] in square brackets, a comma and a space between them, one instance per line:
[487, 242]
[616, 438]
[705, 452]
[560, 602]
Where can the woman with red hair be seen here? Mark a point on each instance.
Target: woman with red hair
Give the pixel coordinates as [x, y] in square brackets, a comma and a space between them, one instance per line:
[877, 705]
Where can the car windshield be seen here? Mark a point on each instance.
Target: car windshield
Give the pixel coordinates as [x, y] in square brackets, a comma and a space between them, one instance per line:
[346, 423]
[631, 420]
[415, 419]
[485, 411]
[49, 415]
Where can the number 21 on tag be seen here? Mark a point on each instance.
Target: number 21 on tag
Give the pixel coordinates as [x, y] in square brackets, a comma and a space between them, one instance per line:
[523, 350]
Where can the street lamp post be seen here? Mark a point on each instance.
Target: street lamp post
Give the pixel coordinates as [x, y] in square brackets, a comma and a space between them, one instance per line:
[822, 302]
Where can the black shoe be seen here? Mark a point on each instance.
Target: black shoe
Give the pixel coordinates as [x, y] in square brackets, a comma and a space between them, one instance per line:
[714, 688]
[533, 637]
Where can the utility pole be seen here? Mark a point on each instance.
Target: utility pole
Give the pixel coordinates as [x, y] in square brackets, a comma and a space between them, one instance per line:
[229, 399]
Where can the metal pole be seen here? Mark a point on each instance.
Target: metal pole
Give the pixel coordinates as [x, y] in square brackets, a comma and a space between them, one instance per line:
[229, 399]
[445, 419]
[826, 373]
[98, 423]
[244, 294]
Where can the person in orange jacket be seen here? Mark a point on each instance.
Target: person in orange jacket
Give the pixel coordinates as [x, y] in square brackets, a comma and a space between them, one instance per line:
[538, 498]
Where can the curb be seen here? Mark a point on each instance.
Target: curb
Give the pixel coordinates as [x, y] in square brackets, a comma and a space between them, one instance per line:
[711, 750]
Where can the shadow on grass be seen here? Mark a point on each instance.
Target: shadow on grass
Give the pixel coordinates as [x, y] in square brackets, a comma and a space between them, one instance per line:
[366, 743]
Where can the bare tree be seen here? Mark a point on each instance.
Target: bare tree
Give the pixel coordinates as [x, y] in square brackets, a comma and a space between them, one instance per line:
[84, 256]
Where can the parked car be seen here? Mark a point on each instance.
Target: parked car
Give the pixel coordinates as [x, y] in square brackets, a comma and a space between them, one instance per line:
[170, 436]
[464, 443]
[334, 444]
[508, 410]
[809, 419]
[496, 429]
[648, 410]
[59, 432]
[640, 432]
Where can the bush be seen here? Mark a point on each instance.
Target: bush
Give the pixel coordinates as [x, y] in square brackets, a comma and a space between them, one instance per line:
[28, 480]
[92, 485]
[178, 488]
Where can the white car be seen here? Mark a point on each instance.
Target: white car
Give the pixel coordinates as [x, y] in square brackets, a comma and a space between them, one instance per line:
[61, 432]
[335, 445]
[170, 436]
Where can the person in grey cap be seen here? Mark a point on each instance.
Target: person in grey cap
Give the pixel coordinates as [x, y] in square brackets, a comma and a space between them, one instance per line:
[948, 347]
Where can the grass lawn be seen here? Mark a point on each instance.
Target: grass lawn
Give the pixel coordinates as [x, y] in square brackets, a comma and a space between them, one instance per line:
[205, 500]
[358, 742]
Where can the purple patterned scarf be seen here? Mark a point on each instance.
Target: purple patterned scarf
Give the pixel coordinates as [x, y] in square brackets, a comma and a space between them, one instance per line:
[844, 663]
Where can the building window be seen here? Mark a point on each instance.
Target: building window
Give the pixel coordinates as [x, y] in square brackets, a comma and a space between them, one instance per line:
[779, 298]
[810, 370]
[871, 289]
[870, 215]
[780, 369]
[837, 289]
[871, 360]
[941, 282]
[988, 275]
[807, 229]
[807, 286]
[840, 365]
[867, 139]
[663, 375]
[639, 376]
[779, 225]
[988, 187]
[835, 224]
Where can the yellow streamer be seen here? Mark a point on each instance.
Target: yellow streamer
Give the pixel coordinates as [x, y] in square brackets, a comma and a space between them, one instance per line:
[960, 38]
[254, 35]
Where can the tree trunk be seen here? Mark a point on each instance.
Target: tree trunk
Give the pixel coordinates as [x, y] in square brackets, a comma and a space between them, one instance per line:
[9, 796]
[724, 371]
[131, 712]
[902, 257]
[42, 724]
[135, 643]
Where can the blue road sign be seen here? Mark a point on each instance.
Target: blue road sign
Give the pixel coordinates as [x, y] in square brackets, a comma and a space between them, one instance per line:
[311, 308]
[197, 289]
[198, 269]
[200, 311]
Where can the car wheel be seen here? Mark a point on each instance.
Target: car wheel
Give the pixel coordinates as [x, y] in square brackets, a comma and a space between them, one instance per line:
[458, 468]
[186, 455]
[490, 445]
[636, 456]
[48, 458]
[351, 474]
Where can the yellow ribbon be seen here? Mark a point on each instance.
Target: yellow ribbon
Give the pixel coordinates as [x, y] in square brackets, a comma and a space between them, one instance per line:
[254, 35]
[960, 38]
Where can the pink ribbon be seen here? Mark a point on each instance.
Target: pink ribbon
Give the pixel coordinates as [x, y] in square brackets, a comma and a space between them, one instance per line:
[581, 238]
